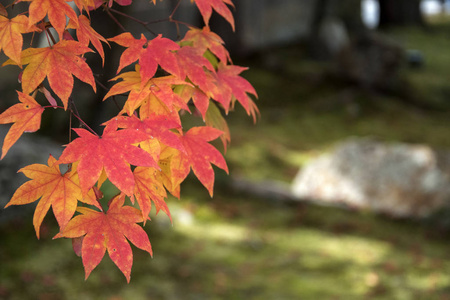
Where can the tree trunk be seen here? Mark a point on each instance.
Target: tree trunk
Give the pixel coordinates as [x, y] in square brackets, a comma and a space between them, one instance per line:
[332, 24]
[316, 47]
[400, 13]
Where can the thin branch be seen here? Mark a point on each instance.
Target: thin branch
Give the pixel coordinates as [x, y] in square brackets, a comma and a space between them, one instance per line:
[107, 89]
[51, 106]
[115, 20]
[98, 82]
[70, 127]
[49, 33]
[174, 10]
[145, 24]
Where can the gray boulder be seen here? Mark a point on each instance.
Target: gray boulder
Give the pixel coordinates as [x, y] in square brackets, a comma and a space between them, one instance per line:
[397, 179]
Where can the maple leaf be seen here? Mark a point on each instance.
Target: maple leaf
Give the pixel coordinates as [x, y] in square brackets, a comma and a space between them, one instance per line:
[111, 152]
[160, 87]
[204, 39]
[86, 34]
[26, 117]
[154, 126]
[58, 63]
[109, 232]
[152, 105]
[159, 51]
[150, 54]
[11, 39]
[174, 169]
[86, 5]
[61, 191]
[206, 6]
[193, 64]
[3, 11]
[149, 188]
[230, 85]
[200, 99]
[98, 3]
[57, 10]
[200, 154]
[133, 51]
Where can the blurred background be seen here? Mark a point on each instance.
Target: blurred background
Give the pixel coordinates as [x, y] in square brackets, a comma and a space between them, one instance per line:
[341, 190]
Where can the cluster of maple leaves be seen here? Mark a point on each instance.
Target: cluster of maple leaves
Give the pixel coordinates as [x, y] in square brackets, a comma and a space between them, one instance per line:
[144, 150]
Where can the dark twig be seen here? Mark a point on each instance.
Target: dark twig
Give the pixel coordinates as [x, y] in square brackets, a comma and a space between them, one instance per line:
[145, 24]
[73, 109]
[115, 20]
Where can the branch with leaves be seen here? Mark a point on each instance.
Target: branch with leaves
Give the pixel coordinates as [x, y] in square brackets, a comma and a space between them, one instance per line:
[144, 150]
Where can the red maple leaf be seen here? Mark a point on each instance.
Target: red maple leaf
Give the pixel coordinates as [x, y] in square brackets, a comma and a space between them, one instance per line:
[193, 65]
[113, 152]
[150, 53]
[156, 127]
[200, 154]
[159, 51]
[230, 84]
[108, 232]
[206, 7]
[26, 117]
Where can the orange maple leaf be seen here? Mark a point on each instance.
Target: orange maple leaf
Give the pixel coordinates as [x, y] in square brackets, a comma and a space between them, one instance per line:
[26, 117]
[133, 51]
[111, 152]
[206, 7]
[3, 11]
[11, 40]
[56, 10]
[200, 154]
[160, 87]
[152, 105]
[200, 99]
[149, 188]
[85, 5]
[58, 63]
[61, 191]
[174, 169]
[86, 34]
[110, 232]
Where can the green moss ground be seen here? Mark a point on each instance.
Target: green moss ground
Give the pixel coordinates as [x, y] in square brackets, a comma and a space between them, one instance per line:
[240, 247]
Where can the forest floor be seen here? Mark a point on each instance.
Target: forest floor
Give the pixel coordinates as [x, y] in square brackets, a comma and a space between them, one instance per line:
[238, 246]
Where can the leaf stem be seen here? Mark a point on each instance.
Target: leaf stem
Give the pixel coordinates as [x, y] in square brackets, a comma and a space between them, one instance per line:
[74, 111]
[49, 34]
